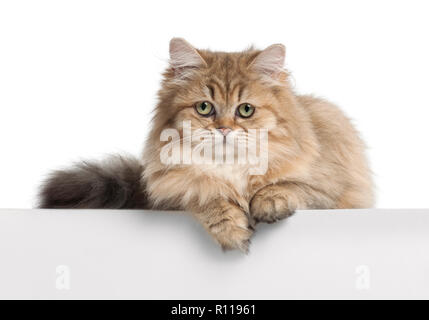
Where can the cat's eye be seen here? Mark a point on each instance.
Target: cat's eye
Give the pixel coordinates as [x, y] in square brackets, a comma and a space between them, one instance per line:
[245, 110]
[204, 108]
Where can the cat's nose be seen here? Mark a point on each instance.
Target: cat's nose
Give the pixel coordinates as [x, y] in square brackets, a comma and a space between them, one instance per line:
[224, 130]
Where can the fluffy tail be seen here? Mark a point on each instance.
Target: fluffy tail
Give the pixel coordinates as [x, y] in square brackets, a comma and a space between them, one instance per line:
[112, 184]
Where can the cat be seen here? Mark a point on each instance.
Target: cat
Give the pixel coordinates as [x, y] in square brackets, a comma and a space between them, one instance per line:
[316, 159]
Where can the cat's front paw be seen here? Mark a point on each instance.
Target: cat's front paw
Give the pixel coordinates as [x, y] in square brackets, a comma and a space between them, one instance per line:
[268, 205]
[232, 229]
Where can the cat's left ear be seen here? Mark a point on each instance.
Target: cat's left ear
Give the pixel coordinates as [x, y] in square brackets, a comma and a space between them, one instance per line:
[184, 55]
[270, 61]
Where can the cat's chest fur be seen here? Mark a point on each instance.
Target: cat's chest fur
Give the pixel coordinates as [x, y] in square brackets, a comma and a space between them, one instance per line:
[234, 175]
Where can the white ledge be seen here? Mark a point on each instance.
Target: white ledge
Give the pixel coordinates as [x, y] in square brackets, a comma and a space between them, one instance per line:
[348, 254]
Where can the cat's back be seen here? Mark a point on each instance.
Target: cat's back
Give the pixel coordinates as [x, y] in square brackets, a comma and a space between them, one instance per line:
[329, 123]
[342, 152]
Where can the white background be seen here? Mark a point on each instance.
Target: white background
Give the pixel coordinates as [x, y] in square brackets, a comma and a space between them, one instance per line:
[78, 79]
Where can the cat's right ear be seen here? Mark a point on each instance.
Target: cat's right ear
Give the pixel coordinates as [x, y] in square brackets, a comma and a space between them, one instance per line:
[183, 55]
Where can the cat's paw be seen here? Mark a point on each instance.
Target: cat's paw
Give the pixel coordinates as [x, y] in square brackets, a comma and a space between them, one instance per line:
[268, 205]
[232, 229]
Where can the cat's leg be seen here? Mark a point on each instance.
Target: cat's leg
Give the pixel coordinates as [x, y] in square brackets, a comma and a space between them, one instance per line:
[226, 222]
[278, 201]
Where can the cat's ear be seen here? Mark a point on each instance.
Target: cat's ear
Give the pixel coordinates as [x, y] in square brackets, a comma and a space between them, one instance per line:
[183, 55]
[270, 61]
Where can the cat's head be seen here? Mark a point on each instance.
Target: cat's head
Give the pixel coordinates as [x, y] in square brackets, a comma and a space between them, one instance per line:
[227, 92]
[208, 88]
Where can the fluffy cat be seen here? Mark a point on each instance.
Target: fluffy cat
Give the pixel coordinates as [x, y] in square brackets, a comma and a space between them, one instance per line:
[316, 159]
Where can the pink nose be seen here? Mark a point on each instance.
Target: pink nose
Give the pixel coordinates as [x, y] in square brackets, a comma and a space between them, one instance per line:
[224, 130]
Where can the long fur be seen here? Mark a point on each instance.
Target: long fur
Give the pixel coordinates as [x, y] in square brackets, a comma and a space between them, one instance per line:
[114, 183]
[316, 157]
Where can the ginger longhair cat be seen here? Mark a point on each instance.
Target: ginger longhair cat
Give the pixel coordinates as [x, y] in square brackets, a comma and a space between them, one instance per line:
[315, 158]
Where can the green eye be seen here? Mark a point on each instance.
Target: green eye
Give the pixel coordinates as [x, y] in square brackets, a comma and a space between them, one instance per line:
[204, 108]
[245, 110]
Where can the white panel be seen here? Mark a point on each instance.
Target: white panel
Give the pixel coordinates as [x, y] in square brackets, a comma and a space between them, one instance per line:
[157, 255]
